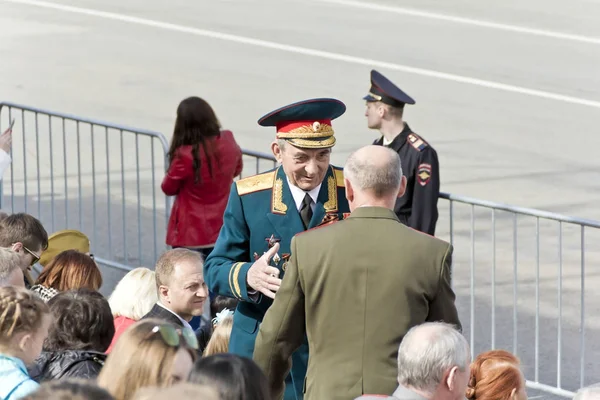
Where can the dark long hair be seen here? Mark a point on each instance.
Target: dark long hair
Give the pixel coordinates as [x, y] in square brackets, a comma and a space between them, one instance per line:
[234, 377]
[195, 125]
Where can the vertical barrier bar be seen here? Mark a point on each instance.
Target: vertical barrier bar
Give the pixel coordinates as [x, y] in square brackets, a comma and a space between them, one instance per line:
[451, 212]
[559, 333]
[51, 173]
[154, 200]
[94, 205]
[493, 278]
[139, 196]
[582, 326]
[25, 180]
[64, 135]
[12, 171]
[108, 199]
[472, 338]
[80, 192]
[537, 299]
[124, 215]
[37, 151]
[515, 281]
[452, 283]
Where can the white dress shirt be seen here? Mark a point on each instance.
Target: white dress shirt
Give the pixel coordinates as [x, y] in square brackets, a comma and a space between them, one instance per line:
[298, 195]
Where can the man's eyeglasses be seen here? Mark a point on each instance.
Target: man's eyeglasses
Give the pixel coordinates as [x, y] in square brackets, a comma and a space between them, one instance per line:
[172, 336]
[36, 257]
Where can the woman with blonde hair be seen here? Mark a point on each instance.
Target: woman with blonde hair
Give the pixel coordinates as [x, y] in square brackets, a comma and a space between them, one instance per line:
[133, 297]
[69, 270]
[24, 324]
[496, 375]
[150, 353]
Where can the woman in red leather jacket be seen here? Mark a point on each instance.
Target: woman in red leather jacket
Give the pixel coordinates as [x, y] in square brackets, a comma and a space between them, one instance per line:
[203, 160]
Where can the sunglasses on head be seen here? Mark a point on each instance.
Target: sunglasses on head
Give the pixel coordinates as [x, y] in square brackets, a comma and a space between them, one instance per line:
[173, 336]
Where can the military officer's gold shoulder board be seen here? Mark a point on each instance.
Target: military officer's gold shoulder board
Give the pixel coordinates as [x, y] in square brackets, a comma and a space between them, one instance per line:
[255, 183]
[339, 177]
[416, 142]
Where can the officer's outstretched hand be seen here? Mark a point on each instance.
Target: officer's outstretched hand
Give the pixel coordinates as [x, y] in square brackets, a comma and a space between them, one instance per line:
[262, 277]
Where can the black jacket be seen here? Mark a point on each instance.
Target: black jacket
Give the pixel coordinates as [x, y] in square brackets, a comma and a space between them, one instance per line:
[418, 207]
[202, 334]
[159, 312]
[82, 364]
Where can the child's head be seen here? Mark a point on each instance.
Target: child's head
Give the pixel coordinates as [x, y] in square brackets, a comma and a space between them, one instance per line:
[24, 323]
[219, 340]
[219, 303]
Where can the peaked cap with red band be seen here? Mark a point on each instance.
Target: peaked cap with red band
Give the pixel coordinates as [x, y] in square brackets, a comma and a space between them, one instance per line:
[382, 89]
[306, 124]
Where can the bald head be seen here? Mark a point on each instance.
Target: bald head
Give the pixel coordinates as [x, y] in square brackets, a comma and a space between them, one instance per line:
[375, 170]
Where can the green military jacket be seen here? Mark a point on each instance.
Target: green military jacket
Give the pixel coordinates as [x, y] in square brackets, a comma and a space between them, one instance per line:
[357, 286]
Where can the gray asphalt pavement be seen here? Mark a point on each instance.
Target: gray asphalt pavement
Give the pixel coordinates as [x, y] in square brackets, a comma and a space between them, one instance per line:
[508, 93]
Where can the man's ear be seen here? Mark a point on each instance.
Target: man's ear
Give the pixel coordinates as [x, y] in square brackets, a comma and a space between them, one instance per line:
[277, 150]
[513, 394]
[349, 190]
[17, 247]
[163, 292]
[450, 378]
[382, 110]
[402, 189]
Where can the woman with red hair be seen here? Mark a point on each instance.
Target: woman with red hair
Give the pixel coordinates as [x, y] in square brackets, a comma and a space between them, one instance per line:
[496, 375]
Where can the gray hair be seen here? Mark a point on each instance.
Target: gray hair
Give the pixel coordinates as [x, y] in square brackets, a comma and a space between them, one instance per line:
[591, 392]
[378, 175]
[427, 352]
[282, 144]
[9, 262]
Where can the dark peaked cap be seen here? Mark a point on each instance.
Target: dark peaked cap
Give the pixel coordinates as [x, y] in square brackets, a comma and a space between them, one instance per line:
[382, 89]
[306, 124]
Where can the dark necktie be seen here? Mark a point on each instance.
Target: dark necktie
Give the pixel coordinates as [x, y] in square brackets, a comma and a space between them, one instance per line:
[306, 210]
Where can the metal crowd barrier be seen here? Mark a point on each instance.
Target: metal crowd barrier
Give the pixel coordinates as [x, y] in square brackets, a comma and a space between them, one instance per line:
[100, 178]
[520, 277]
[519, 274]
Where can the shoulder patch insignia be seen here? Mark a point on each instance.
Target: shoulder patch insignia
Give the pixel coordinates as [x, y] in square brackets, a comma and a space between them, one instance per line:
[339, 177]
[424, 174]
[416, 142]
[255, 183]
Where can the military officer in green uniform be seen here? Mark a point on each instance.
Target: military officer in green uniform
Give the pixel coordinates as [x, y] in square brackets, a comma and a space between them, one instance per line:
[265, 211]
[356, 287]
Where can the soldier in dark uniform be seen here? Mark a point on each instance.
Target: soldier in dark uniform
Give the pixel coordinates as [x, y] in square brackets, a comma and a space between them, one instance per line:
[385, 108]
